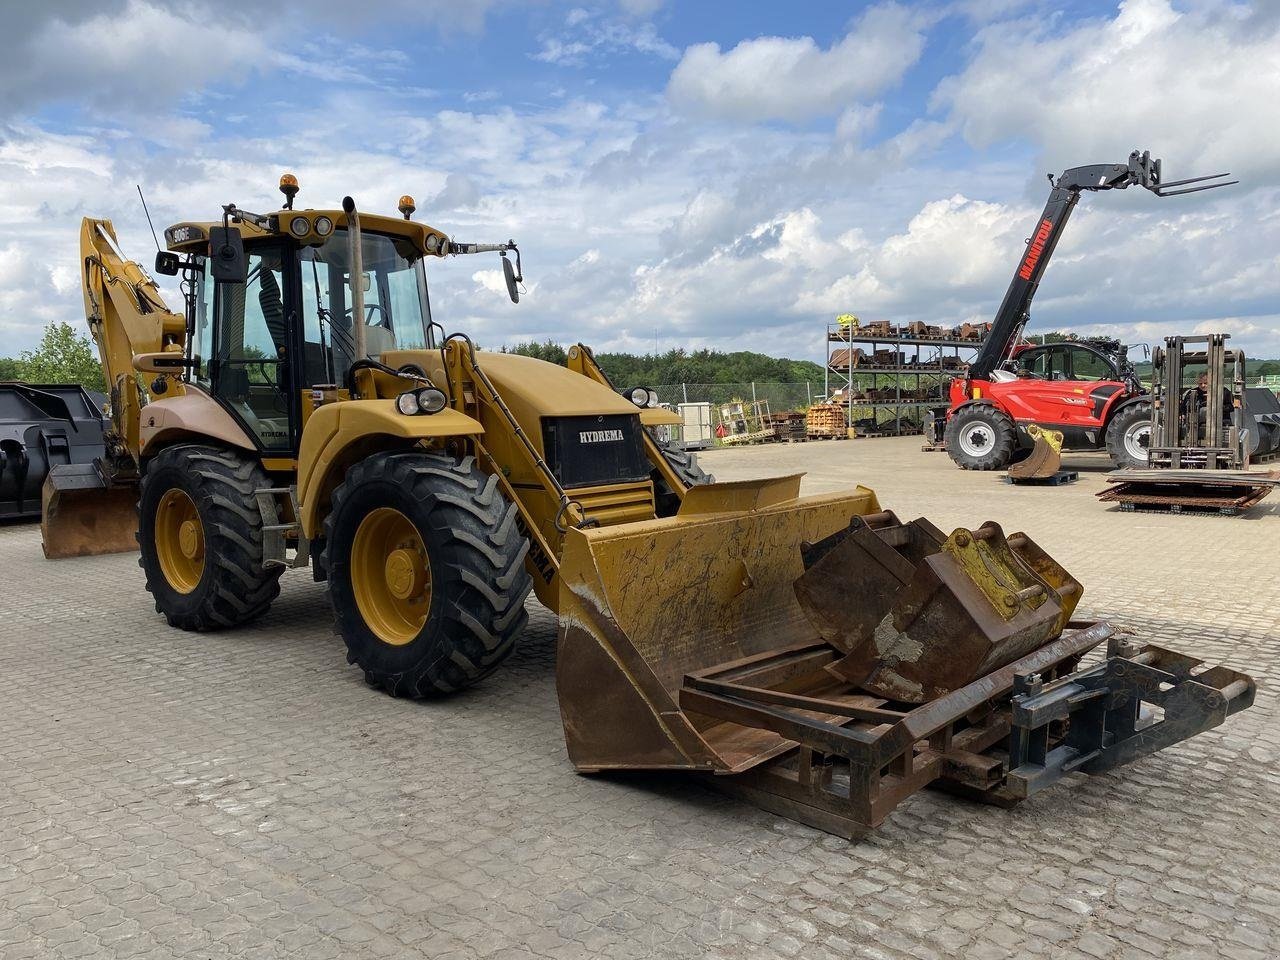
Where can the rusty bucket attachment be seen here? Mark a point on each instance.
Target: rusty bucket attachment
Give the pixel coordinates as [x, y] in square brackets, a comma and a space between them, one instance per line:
[920, 615]
[700, 642]
[1045, 458]
[84, 515]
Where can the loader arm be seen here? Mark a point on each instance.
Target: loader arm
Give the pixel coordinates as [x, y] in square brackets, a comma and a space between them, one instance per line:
[1015, 308]
[127, 316]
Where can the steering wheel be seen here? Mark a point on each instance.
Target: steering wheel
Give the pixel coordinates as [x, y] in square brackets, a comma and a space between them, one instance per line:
[369, 309]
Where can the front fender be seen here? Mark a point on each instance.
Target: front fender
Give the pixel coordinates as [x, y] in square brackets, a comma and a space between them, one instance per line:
[337, 434]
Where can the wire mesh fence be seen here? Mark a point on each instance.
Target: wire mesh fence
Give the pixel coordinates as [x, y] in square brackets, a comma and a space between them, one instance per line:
[885, 416]
[781, 397]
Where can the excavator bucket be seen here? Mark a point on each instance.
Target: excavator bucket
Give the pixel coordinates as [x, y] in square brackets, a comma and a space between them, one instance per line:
[823, 660]
[1045, 458]
[85, 516]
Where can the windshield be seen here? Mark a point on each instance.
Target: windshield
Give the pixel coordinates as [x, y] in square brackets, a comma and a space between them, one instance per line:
[397, 312]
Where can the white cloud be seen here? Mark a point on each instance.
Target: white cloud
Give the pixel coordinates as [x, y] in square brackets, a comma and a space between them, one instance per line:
[634, 215]
[793, 78]
[122, 55]
[590, 37]
[1199, 88]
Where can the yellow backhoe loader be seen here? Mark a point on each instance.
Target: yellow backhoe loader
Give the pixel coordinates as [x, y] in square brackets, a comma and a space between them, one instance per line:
[814, 654]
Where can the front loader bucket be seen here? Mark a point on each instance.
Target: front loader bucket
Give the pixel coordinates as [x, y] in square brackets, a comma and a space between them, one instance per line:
[85, 516]
[644, 604]
[699, 642]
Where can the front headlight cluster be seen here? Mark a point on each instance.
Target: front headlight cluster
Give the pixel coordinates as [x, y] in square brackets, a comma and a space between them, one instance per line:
[301, 227]
[641, 396]
[425, 400]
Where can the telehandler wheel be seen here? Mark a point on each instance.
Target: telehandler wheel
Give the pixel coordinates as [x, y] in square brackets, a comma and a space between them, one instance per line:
[426, 572]
[981, 438]
[200, 536]
[685, 465]
[1129, 436]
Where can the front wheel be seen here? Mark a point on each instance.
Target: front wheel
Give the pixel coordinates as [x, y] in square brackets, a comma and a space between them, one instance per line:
[426, 572]
[200, 538]
[1129, 436]
[981, 438]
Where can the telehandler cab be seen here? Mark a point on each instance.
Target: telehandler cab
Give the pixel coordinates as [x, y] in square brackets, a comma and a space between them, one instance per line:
[813, 654]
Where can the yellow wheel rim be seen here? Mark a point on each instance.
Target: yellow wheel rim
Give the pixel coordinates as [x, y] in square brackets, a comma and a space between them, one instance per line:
[179, 540]
[391, 576]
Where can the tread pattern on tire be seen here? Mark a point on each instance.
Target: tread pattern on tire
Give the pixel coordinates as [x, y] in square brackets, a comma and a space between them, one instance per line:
[485, 582]
[1115, 432]
[241, 589]
[1006, 438]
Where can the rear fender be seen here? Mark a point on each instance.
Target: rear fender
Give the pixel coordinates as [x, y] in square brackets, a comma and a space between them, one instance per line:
[339, 434]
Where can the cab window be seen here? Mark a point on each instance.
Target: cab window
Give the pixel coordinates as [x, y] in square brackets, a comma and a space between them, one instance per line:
[1087, 365]
[1047, 363]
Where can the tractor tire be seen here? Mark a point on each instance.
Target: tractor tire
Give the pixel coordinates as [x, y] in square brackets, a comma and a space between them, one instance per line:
[685, 465]
[200, 538]
[426, 572]
[981, 438]
[1129, 436]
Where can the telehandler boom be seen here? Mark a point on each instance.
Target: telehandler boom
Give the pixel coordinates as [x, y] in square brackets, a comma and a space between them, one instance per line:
[813, 654]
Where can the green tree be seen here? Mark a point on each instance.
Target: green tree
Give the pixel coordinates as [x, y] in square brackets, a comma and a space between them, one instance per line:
[64, 356]
[548, 350]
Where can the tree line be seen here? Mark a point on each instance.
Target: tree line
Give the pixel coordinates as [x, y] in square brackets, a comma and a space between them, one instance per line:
[66, 356]
[684, 366]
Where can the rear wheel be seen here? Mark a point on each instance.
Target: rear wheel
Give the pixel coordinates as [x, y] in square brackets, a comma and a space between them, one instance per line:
[426, 572]
[981, 438]
[200, 538]
[1129, 436]
[685, 465]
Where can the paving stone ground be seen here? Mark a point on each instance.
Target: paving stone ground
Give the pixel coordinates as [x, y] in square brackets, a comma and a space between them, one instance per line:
[165, 794]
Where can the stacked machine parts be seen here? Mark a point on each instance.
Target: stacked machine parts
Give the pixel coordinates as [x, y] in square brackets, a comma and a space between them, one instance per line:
[890, 375]
[813, 654]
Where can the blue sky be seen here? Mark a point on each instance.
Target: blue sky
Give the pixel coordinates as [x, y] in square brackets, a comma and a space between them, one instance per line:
[706, 174]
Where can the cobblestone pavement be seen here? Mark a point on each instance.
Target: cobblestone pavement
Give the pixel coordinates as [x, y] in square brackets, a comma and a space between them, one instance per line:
[165, 794]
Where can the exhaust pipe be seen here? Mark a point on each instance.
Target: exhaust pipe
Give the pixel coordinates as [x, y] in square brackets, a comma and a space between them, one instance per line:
[356, 263]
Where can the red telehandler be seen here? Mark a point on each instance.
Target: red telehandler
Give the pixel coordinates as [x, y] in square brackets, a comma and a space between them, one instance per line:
[1087, 389]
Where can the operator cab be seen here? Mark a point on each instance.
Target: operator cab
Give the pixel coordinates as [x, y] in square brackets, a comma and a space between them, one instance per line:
[255, 356]
[270, 302]
[1072, 360]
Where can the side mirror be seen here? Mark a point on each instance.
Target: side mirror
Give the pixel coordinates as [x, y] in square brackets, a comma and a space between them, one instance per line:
[227, 261]
[509, 272]
[167, 263]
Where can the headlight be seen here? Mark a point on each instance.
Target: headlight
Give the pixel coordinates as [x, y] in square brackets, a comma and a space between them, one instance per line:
[431, 400]
[639, 396]
[299, 226]
[426, 400]
[324, 226]
[653, 399]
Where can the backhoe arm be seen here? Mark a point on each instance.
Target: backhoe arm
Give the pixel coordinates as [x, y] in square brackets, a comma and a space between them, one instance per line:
[1015, 309]
[127, 316]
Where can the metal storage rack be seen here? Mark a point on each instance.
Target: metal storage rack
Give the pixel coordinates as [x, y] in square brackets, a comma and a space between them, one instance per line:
[916, 363]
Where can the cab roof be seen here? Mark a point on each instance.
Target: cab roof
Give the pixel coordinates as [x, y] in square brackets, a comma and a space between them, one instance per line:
[192, 236]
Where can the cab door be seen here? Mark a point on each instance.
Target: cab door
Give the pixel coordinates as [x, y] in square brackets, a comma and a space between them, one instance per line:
[248, 366]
